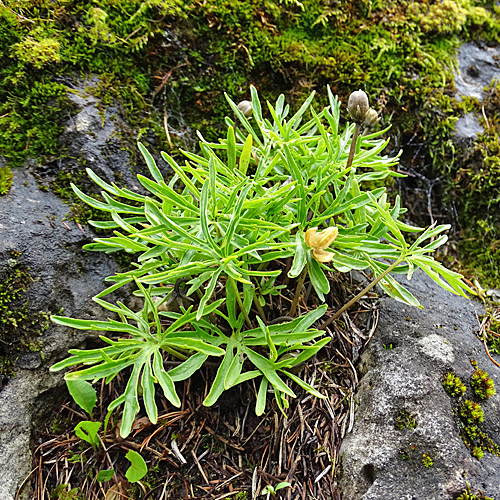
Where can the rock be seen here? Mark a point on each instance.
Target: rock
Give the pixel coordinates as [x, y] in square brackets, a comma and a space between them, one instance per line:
[404, 413]
[467, 128]
[37, 238]
[478, 65]
[65, 277]
[96, 138]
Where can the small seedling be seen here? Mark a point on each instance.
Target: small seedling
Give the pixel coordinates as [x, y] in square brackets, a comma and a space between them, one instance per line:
[138, 467]
[87, 431]
[273, 490]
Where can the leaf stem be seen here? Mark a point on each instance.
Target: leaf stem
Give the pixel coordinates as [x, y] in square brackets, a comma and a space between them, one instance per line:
[360, 294]
[240, 303]
[261, 312]
[352, 150]
[298, 290]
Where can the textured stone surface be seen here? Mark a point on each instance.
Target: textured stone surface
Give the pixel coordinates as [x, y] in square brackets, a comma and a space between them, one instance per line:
[33, 222]
[406, 380]
[467, 128]
[65, 280]
[478, 65]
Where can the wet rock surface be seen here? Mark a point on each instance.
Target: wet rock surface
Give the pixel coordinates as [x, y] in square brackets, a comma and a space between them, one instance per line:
[404, 413]
[64, 279]
[47, 245]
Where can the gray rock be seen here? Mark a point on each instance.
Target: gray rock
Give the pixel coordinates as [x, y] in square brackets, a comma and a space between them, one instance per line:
[467, 128]
[478, 65]
[32, 222]
[96, 138]
[405, 381]
[66, 277]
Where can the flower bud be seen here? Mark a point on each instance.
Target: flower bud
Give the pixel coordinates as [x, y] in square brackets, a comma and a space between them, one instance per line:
[371, 118]
[246, 108]
[358, 106]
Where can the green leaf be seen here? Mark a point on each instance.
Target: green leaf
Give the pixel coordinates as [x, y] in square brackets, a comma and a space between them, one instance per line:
[194, 344]
[131, 405]
[83, 393]
[87, 431]
[299, 259]
[188, 367]
[318, 278]
[231, 148]
[138, 468]
[305, 385]
[165, 380]
[150, 162]
[105, 475]
[218, 384]
[148, 392]
[208, 293]
[268, 370]
[273, 354]
[260, 405]
[234, 369]
[310, 318]
[280, 486]
[245, 155]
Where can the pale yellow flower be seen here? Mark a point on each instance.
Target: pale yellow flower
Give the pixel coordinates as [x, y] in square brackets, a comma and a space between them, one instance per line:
[320, 241]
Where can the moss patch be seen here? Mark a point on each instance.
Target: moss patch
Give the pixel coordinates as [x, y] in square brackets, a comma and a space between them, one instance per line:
[5, 180]
[20, 328]
[469, 414]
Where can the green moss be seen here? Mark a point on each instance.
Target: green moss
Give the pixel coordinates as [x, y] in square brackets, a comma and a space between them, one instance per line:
[5, 180]
[427, 461]
[453, 385]
[473, 184]
[405, 420]
[482, 385]
[19, 328]
[471, 412]
[471, 417]
[468, 495]
[62, 492]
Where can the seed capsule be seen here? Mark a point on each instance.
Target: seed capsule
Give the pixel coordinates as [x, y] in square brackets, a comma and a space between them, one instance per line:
[246, 108]
[358, 106]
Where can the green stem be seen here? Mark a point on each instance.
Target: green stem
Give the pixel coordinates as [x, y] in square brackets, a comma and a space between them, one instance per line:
[261, 312]
[353, 146]
[298, 290]
[174, 353]
[360, 294]
[240, 304]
